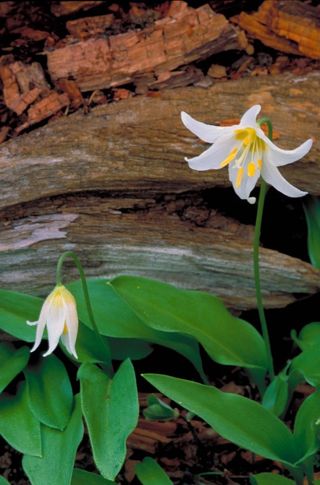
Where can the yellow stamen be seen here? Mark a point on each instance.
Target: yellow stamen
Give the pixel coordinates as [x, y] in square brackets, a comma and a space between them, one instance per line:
[65, 329]
[251, 169]
[229, 158]
[259, 162]
[239, 176]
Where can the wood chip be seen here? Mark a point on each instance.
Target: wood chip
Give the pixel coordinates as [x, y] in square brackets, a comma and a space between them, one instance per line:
[71, 7]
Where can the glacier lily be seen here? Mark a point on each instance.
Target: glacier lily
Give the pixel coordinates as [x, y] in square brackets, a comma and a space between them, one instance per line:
[247, 152]
[59, 314]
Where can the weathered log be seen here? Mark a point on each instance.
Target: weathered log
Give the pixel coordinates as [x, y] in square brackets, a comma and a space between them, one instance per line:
[133, 151]
[192, 247]
[183, 36]
[71, 7]
[140, 143]
[291, 27]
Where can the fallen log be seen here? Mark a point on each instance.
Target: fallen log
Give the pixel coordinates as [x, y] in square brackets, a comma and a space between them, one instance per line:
[192, 247]
[139, 144]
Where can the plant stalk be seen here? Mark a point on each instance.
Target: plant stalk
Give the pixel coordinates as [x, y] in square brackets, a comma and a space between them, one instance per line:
[256, 265]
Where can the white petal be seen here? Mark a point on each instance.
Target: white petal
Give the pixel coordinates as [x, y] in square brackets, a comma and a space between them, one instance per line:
[72, 329]
[250, 116]
[208, 133]
[247, 183]
[39, 333]
[279, 157]
[273, 177]
[213, 156]
[55, 324]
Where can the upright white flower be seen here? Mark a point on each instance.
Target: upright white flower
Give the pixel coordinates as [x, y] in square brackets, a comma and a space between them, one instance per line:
[59, 314]
[247, 152]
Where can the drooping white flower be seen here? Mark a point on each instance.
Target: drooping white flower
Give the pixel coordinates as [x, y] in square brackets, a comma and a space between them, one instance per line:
[59, 314]
[247, 152]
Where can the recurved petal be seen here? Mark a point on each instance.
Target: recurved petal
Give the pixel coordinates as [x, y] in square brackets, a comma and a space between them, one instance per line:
[273, 177]
[208, 133]
[213, 157]
[279, 157]
[250, 116]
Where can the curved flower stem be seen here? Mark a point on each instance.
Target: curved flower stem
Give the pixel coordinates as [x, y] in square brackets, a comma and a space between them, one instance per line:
[76, 260]
[256, 266]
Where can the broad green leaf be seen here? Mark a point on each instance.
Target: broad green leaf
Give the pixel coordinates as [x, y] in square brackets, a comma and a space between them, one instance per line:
[149, 471]
[115, 319]
[12, 362]
[58, 453]
[18, 426]
[228, 340]
[236, 418]
[309, 336]
[15, 309]
[89, 347]
[312, 213]
[82, 477]
[3, 481]
[276, 395]
[50, 392]
[270, 479]
[308, 365]
[307, 426]
[125, 348]
[111, 409]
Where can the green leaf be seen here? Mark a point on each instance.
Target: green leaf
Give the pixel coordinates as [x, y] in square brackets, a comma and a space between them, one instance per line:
[270, 479]
[308, 365]
[82, 477]
[133, 349]
[307, 426]
[309, 336]
[116, 319]
[149, 471]
[228, 340]
[58, 453]
[276, 395]
[12, 362]
[50, 392]
[111, 409]
[312, 213]
[15, 310]
[159, 410]
[18, 426]
[3, 481]
[236, 418]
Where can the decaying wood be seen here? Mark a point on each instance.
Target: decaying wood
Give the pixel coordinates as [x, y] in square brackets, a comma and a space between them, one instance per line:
[192, 247]
[139, 144]
[89, 26]
[292, 27]
[71, 7]
[22, 84]
[184, 35]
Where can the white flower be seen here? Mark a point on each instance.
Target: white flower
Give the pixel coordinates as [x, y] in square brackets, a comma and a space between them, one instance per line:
[59, 314]
[247, 152]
